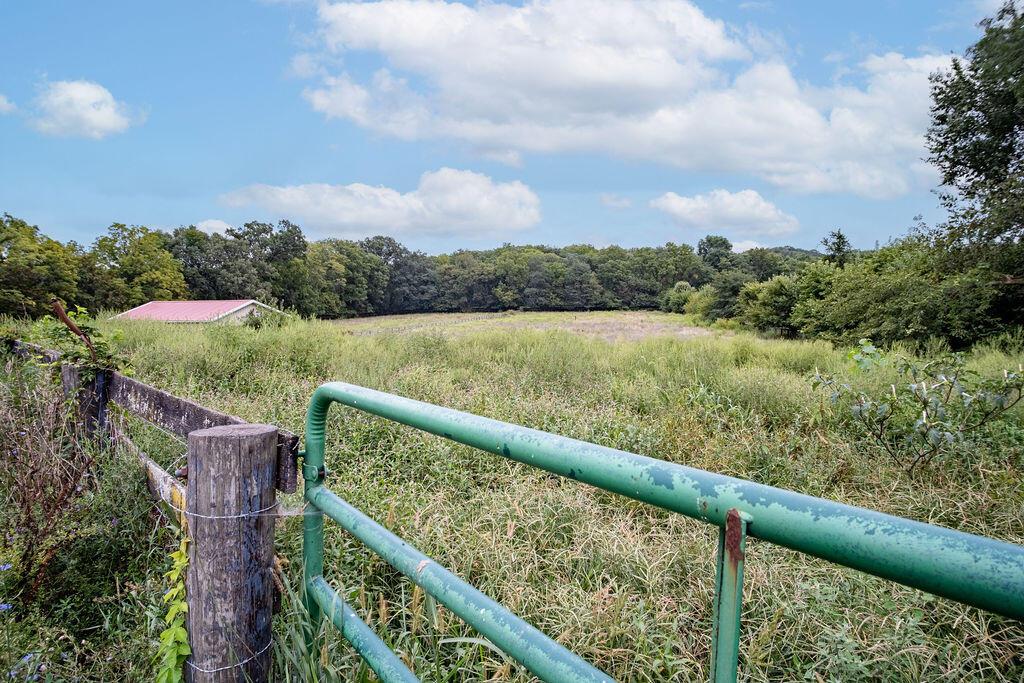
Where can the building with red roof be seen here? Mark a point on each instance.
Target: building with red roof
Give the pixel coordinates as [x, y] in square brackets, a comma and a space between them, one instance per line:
[223, 310]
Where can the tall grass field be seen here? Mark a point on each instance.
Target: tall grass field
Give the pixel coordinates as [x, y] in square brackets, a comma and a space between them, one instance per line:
[626, 586]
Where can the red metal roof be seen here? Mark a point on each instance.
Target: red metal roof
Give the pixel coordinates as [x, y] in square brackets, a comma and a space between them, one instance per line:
[187, 311]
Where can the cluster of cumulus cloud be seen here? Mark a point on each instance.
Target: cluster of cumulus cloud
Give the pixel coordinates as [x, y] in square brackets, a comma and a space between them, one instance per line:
[648, 80]
[655, 80]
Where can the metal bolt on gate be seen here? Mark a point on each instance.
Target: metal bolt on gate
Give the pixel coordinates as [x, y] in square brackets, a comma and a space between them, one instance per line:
[970, 569]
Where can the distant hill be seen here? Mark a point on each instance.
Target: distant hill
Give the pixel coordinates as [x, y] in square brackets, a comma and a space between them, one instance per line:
[797, 253]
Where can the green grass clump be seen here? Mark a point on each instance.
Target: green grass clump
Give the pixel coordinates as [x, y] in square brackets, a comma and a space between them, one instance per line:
[624, 585]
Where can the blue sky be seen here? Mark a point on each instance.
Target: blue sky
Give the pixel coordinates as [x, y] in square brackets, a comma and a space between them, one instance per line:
[448, 125]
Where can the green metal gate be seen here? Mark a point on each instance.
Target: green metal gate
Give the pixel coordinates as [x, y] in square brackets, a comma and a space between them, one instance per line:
[971, 569]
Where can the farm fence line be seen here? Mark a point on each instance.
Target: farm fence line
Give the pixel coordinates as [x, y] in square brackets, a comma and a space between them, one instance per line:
[228, 506]
[234, 470]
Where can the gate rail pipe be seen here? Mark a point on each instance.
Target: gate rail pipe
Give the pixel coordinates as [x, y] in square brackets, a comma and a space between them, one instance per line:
[971, 569]
[516, 638]
[384, 662]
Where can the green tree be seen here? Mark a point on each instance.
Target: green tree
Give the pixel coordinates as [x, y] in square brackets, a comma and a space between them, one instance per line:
[768, 306]
[700, 303]
[897, 294]
[674, 300]
[716, 251]
[837, 248]
[33, 269]
[976, 136]
[727, 285]
[581, 290]
[412, 278]
[814, 285]
[762, 263]
[219, 267]
[544, 282]
[138, 265]
[344, 276]
[976, 139]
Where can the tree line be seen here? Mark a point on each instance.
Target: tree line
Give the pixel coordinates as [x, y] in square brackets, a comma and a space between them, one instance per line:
[960, 281]
[335, 278]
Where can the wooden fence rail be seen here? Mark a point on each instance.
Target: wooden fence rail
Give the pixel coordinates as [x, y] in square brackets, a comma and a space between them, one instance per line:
[228, 505]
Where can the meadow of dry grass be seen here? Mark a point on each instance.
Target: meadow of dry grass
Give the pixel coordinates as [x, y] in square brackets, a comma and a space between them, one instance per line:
[626, 586]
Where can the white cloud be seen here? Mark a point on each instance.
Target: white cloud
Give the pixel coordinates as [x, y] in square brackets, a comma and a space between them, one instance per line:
[509, 157]
[741, 246]
[614, 201]
[446, 201]
[212, 225]
[745, 213]
[80, 109]
[6, 106]
[656, 80]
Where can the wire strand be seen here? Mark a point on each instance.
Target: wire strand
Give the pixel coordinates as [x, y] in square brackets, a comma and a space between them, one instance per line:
[230, 666]
[254, 513]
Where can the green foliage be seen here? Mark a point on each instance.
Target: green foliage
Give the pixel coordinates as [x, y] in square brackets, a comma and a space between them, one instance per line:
[700, 303]
[77, 544]
[674, 300]
[54, 334]
[727, 285]
[813, 284]
[977, 133]
[976, 139]
[768, 306]
[346, 278]
[937, 408]
[763, 264]
[174, 648]
[715, 251]
[33, 269]
[899, 294]
[133, 266]
[266, 319]
[837, 248]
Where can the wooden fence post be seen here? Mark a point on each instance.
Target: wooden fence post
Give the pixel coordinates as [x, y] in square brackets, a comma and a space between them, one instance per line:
[230, 588]
[91, 397]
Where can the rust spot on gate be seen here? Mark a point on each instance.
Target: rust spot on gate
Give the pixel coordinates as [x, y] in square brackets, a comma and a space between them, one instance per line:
[733, 535]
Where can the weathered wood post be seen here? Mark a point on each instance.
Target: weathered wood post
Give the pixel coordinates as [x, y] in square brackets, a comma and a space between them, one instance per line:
[91, 397]
[230, 588]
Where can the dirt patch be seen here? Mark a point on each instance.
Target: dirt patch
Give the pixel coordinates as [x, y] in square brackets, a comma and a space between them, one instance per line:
[607, 325]
[623, 327]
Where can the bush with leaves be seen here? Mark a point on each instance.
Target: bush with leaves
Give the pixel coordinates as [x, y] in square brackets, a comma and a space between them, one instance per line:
[700, 302]
[53, 334]
[940, 404]
[901, 294]
[768, 306]
[674, 300]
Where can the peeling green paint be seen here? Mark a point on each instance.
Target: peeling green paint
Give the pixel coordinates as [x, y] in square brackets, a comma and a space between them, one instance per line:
[971, 569]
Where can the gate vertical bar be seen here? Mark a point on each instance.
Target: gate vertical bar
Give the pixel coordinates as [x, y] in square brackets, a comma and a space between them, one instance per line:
[312, 552]
[725, 634]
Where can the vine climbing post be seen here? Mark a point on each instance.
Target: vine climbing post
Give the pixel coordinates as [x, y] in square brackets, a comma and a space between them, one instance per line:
[230, 587]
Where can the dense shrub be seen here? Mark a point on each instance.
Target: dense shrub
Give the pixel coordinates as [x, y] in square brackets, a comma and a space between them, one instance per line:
[727, 285]
[700, 302]
[940, 407]
[897, 294]
[674, 300]
[768, 306]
